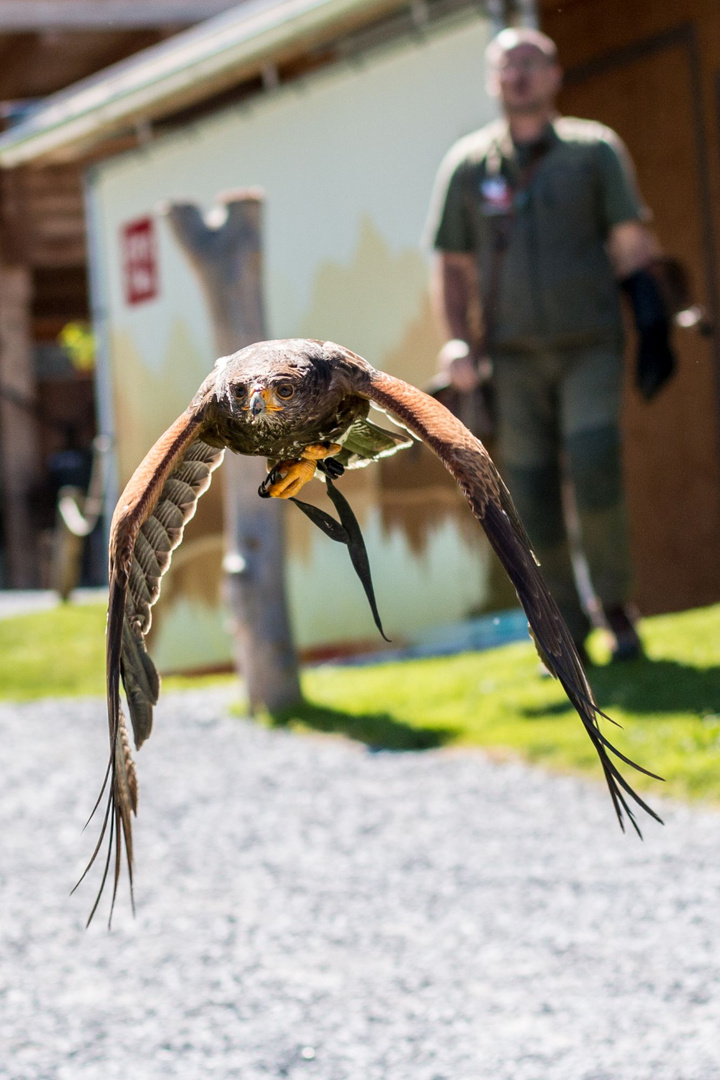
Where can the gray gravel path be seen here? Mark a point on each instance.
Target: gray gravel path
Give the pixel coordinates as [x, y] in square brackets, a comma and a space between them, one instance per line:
[308, 909]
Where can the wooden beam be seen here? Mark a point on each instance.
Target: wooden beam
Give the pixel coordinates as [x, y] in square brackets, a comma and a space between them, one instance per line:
[19, 436]
[226, 256]
[23, 16]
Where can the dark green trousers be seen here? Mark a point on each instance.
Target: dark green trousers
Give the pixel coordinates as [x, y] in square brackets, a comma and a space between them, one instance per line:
[558, 416]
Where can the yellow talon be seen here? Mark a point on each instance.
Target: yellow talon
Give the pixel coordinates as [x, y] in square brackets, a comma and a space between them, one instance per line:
[318, 451]
[290, 477]
[287, 477]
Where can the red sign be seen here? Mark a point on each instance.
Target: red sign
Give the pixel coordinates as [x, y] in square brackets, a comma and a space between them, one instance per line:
[139, 254]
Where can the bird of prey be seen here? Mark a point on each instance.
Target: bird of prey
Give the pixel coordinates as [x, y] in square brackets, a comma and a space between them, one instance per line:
[302, 404]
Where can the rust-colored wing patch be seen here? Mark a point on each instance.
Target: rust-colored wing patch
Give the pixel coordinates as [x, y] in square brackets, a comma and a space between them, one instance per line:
[470, 464]
[147, 526]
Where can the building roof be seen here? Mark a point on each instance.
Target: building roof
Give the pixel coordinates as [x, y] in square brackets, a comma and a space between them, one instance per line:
[180, 72]
[46, 45]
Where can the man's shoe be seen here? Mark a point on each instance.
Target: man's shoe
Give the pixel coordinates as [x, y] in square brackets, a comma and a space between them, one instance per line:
[628, 645]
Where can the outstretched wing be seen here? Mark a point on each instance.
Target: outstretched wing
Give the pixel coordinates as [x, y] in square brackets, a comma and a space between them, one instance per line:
[147, 526]
[467, 460]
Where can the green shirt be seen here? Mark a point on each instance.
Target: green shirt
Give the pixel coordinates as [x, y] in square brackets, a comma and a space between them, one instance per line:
[554, 285]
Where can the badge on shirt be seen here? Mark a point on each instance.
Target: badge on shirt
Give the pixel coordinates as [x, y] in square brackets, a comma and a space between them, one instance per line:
[497, 195]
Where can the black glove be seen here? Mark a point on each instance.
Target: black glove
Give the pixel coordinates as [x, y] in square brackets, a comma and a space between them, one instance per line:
[656, 361]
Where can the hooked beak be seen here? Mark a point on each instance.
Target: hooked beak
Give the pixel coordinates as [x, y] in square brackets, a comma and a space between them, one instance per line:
[261, 401]
[257, 403]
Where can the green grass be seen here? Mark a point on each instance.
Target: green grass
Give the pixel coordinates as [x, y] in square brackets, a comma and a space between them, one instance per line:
[668, 704]
[53, 653]
[61, 653]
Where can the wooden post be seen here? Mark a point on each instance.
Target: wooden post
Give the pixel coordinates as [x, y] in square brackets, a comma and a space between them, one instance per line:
[225, 251]
[19, 441]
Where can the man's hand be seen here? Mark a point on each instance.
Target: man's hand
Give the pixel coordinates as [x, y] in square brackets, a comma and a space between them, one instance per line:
[463, 375]
[460, 368]
[631, 246]
[457, 364]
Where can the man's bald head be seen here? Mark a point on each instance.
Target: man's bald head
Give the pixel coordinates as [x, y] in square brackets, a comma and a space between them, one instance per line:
[512, 36]
[523, 71]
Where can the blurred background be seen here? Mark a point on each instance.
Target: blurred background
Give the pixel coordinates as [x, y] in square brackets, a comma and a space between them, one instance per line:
[340, 110]
[311, 907]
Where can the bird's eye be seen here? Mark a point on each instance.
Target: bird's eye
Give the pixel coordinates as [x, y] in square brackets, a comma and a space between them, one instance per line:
[285, 390]
[240, 391]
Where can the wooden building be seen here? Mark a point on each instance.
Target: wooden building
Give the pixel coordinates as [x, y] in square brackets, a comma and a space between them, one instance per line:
[47, 405]
[650, 70]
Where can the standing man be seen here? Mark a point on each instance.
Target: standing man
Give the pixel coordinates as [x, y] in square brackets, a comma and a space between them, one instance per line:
[537, 216]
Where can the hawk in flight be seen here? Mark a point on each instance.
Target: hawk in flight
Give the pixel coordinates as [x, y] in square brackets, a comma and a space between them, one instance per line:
[303, 405]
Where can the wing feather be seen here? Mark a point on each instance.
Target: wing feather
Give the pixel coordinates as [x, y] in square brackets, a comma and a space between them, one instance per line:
[148, 524]
[469, 463]
[148, 564]
[162, 530]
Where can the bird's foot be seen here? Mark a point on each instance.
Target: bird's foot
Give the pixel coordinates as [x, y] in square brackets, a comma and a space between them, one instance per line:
[287, 477]
[318, 451]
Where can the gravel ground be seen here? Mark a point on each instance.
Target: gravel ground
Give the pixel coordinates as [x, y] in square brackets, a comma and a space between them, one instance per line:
[309, 909]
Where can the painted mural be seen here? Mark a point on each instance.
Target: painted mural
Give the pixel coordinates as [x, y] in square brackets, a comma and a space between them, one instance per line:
[347, 161]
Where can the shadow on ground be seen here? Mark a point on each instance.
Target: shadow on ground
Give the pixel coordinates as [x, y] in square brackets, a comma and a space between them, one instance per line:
[380, 731]
[649, 686]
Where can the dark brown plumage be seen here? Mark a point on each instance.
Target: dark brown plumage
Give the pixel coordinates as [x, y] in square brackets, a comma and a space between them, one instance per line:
[297, 402]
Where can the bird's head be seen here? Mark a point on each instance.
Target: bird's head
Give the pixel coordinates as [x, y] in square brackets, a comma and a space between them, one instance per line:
[279, 384]
[262, 396]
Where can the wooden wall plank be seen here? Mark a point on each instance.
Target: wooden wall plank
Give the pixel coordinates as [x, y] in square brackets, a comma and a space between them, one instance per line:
[648, 70]
[19, 442]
